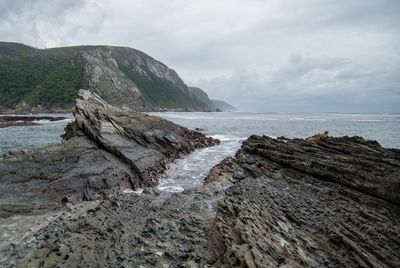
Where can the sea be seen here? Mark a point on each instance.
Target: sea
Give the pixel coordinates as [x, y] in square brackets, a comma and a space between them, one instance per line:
[232, 129]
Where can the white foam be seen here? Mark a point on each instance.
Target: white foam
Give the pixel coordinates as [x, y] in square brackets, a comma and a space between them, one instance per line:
[369, 120]
[66, 120]
[306, 119]
[139, 191]
[225, 138]
[41, 122]
[171, 189]
[189, 172]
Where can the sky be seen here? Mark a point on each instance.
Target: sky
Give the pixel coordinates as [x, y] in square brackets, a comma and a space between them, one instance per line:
[259, 55]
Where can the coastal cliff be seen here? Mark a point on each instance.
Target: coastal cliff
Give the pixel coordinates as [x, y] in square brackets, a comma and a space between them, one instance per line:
[47, 80]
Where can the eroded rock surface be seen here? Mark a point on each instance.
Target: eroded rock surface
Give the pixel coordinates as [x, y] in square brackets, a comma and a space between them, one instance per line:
[155, 229]
[105, 149]
[317, 202]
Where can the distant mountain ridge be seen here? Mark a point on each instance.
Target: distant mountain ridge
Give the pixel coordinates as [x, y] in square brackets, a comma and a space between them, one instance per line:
[223, 106]
[219, 105]
[50, 79]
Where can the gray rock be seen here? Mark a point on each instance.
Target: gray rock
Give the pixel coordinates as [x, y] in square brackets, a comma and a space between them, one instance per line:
[323, 201]
[104, 150]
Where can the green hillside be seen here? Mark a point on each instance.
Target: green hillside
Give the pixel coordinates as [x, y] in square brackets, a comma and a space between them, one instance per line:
[44, 77]
[121, 75]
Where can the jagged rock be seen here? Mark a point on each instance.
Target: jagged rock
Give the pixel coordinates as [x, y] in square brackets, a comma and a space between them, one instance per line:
[103, 149]
[316, 202]
[322, 201]
[150, 230]
[146, 143]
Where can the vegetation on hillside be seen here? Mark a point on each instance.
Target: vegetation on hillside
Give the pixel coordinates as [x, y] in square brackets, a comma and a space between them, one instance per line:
[58, 88]
[52, 77]
[38, 77]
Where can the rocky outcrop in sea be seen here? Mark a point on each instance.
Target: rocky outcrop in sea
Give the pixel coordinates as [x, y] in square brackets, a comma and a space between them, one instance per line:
[317, 202]
[20, 120]
[105, 150]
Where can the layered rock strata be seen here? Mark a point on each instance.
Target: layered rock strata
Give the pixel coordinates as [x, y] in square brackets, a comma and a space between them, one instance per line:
[105, 150]
[316, 202]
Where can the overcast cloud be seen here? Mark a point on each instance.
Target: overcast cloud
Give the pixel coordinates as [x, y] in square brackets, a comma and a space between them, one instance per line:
[260, 55]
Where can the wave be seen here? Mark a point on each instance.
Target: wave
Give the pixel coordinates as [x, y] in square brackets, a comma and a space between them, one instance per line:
[172, 189]
[247, 118]
[217, 116]
[227, 138]
[307, 119]
[371, 120]
[43, 121]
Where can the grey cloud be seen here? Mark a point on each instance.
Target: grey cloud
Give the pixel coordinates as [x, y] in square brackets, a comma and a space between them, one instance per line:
[15, 7]
[45, 10]
[279, 54]
[44, 23]
[311, 84]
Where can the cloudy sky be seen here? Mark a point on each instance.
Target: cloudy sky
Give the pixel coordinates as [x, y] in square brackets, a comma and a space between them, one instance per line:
[260, 55]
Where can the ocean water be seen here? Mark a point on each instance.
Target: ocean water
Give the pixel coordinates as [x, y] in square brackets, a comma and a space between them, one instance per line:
[44, 133]
[231, 129]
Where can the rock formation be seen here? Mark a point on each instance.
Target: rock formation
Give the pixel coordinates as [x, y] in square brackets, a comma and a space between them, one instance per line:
[104, 150]
[321, 201]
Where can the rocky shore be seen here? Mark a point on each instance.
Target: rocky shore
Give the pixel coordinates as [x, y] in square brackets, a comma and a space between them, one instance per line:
[105, 150]
[18, 120]
[316, 202]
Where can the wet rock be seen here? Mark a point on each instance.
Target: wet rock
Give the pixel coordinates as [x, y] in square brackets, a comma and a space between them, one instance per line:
[104, 150]
[321, 201]
[148, 230]
[145, 143]
[316, 202]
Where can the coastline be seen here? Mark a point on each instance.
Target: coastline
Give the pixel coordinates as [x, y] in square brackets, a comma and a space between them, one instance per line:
[91, 199]
[266, 190]
[27, 120]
